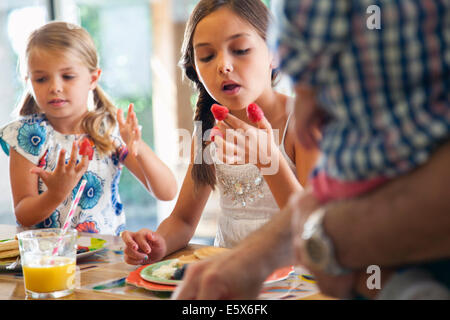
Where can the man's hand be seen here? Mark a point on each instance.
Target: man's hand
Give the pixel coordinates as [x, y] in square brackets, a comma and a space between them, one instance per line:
[227, 276]
[335, 286]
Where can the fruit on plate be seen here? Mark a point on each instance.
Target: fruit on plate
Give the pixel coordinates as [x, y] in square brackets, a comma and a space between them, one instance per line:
[81, 249]
[86, 148]
[219, 112]
[254, 112]
[179, 272]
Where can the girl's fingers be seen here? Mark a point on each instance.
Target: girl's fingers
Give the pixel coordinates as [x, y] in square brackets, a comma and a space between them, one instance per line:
[130, 113]
[241, 146]
[61, 161]
[120, 117]
[134, 257]
[132, 253]
[235, 123]
[136, 127]
[142, 242]
[135, 120]
[137, 133]
[127, 238]
[264, 124]
[229, 134]
[73, 155]
[225, 151]
[40, 172]
[83, 165]
[223, 126]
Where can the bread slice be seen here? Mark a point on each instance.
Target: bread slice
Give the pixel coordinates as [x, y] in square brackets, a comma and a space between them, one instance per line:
[9, 253]
[9, 245]
[186, 259]
[207, 252]
[7, 261]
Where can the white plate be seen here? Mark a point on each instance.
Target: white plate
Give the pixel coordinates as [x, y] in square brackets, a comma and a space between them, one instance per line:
[147, 274]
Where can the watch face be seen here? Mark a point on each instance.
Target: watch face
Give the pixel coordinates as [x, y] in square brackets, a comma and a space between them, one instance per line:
[316, 250]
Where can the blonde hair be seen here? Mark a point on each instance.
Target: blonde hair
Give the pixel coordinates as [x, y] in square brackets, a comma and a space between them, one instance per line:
[62, 36]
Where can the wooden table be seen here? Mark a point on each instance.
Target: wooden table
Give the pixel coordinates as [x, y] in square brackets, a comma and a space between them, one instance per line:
[95, 272]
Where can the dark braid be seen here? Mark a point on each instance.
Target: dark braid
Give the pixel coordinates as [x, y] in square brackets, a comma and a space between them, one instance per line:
[203, 173]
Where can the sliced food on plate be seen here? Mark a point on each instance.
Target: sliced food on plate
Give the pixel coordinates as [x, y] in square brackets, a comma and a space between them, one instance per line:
[172, 271]
[9, 250]
[167, 274]
[206, 252]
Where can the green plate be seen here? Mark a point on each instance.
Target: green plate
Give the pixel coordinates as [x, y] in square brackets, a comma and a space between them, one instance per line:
[147, 273]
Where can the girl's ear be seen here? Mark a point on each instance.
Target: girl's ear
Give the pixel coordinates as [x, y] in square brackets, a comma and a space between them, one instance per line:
[95, 76]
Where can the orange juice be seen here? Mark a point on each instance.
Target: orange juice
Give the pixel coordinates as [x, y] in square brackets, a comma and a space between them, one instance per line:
[50, 274]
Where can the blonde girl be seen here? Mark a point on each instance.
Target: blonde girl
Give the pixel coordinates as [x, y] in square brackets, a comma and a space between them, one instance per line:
[63, 106]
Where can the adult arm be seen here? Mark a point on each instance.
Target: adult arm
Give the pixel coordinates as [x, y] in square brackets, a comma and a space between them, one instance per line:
[240, 273]
[405, 221]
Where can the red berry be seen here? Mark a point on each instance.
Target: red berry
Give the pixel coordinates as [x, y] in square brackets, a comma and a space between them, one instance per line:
[219, 112]
[254, 112]
[86, 148]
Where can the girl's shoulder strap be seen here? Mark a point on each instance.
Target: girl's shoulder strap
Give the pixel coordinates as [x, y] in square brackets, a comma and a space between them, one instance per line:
[290, 111]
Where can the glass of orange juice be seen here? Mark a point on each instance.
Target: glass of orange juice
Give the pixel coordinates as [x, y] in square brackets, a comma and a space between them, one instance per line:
[46, 273]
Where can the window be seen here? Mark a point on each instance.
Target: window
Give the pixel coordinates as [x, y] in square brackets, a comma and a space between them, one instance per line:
[122, 33]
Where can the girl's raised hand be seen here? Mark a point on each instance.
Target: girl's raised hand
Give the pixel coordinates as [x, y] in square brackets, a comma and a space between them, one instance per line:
[143, 247]
[129, 129]
[65, 177]
[241, 143]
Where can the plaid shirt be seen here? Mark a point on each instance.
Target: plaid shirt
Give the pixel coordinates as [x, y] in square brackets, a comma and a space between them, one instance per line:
[387, 90]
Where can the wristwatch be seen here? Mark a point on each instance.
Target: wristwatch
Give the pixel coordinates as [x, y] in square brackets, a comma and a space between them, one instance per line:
[318, 247]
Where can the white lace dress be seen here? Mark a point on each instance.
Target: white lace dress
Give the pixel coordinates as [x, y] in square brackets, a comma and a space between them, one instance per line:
[246, 201]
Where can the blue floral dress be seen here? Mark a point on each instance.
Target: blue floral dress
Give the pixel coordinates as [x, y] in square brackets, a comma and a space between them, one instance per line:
[99, 209]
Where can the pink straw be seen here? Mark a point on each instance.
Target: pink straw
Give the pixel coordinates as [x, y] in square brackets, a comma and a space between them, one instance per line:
[69, 216]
